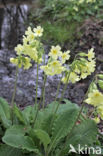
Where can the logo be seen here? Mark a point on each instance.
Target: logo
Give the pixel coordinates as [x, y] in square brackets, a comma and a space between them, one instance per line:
[85, 150]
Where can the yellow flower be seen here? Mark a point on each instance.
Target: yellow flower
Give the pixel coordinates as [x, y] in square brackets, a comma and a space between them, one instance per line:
[25, 40]
[46, 69]
[55, 64]
[29, 31]
[91, 66]
[19, 49]
[22, 61]
[55, 52]
[100, 111]
[64, 79]
[30, 35]
[100, 108]
[76, 70]
[97, 120]
[83, 75]
[16, 61]
[65, 56]
[31, 52]
[53, 68]
[56, 67]
[91, 54]
[27, 63]
[95, 98]
[73, 77]
[38, 31]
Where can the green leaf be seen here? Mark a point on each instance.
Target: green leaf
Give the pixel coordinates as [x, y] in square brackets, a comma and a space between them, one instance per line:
[15, 137]
[9, 151]
[43, 121]
[27, 114]
[19, 115]
[19, 141]
[17, 129]
[5, 113]
[63, 125]
[43, 136]
[83, 134]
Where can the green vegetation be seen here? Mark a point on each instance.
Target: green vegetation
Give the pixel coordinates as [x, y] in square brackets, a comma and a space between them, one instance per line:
[54, 129]
[64, 16]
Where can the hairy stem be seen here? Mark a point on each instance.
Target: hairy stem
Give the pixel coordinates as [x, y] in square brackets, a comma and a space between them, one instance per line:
[58, 88]
[65, 87]
[36, 86]
[63, 92]
[14, 93]
[45, 78]
[36, 104]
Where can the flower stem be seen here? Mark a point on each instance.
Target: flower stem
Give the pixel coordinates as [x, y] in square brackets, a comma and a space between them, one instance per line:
[45, 79]
[65, 87]
[14, 93]
[58, 88]
[36, 86]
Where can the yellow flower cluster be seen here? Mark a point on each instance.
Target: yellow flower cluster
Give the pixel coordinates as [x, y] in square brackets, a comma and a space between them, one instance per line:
[31, 48]
[95, 98]
[23, 61]
[56, 61]
[81, 67]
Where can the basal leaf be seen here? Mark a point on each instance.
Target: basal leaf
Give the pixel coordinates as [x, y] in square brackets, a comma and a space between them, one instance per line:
[63, 125]
[5, 113]
[9, 151]
[83, 134]
[16, 137]
[19, 115]
[43, 137]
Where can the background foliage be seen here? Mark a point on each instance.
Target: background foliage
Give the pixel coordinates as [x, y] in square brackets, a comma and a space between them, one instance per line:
[64, 16]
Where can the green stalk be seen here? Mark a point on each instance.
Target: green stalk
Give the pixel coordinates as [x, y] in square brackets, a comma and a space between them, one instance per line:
[65, 87]
[45, 79]
[58, 88]
[37, 110]
[36, 105]
[36, 86]
[14, 93]
[43, 88]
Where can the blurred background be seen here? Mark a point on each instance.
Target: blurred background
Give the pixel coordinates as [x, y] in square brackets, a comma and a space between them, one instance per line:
[73, 24]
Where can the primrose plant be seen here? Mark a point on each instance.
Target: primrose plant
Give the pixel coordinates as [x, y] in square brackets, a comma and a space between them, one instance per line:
[52, 130]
